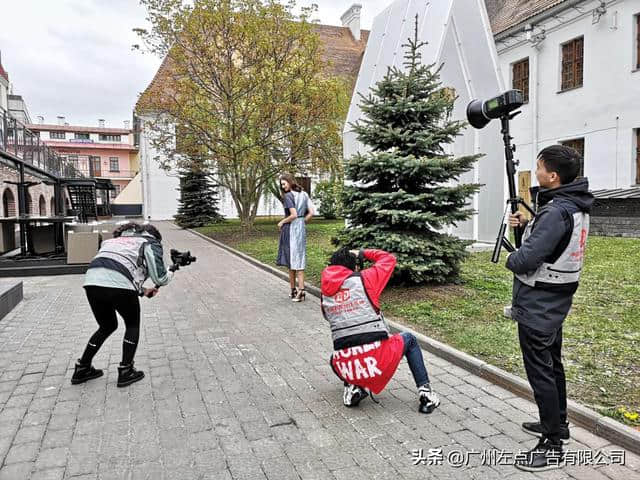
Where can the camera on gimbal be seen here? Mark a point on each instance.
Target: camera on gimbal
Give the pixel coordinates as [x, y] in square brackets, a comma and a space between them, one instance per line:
[180, 259]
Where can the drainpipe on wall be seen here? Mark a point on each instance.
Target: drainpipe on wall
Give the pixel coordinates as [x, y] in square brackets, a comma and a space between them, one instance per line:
[533, 97]
[144, 170]
[617, 130]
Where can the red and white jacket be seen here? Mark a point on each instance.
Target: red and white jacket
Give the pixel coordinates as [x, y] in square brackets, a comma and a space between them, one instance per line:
[362, 359]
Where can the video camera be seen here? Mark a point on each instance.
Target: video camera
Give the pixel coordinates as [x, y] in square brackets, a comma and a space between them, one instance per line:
[180, 259]
[479, 114]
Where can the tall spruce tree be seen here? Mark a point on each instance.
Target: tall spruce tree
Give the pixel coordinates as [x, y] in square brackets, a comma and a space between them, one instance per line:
[404, 191]
[198, 205]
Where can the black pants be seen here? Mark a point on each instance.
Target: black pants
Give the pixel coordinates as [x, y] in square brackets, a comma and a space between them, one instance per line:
[541, 353]
[105, 302]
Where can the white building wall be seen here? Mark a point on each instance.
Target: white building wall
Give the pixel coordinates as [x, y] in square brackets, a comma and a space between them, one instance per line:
[4, 90]
[269, 205]
[159, 188]
[604, 111]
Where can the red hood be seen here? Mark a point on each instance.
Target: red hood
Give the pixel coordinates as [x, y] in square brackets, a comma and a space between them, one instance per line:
[332, 279]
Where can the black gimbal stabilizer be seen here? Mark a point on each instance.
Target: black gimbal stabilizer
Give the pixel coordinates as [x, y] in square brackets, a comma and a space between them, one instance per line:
[479, 114]
[180, 259]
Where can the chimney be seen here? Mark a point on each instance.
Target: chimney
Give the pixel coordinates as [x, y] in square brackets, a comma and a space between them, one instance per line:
[60, 120]
[351, 19]
[101, 122]
[40, 119]
[126, 124]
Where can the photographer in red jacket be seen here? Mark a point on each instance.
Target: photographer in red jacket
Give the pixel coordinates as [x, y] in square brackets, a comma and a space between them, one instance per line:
[365, 356]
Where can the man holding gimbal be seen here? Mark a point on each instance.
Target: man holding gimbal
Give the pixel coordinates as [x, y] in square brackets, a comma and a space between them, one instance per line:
[113, 283]
[547, 270]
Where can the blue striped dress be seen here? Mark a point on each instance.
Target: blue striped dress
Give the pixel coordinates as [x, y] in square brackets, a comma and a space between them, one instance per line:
[292, 249]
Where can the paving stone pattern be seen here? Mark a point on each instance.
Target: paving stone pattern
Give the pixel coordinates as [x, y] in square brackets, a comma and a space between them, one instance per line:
[238, 386]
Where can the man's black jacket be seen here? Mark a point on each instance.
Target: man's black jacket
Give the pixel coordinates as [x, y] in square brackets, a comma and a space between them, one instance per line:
[544, 309]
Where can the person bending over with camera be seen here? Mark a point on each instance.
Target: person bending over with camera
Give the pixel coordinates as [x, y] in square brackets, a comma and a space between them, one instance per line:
[547, 270]
[113, 283]
[365, 356]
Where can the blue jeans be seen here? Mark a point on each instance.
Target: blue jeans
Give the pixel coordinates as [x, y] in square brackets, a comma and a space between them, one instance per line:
[414, 358]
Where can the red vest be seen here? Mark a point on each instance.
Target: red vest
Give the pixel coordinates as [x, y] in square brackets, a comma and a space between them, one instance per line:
[369, 366]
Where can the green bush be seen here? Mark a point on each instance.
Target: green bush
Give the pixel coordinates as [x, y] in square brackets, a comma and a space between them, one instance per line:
[329, 194]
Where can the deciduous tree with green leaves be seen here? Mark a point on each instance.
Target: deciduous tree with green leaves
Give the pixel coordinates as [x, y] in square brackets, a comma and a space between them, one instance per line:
[403, 192]
[246, 79]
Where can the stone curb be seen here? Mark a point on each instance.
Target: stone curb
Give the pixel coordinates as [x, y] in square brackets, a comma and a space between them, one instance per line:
[605, 427]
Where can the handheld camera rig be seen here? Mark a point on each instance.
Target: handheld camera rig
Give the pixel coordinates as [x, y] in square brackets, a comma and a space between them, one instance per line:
[180, 259]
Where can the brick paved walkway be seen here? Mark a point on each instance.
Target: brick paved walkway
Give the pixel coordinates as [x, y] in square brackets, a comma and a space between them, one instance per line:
[237, 386]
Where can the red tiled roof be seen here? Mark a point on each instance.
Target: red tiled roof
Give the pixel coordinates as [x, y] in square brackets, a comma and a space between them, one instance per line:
[341, 49]
[89, 146]
[74, 128]
[505, 14]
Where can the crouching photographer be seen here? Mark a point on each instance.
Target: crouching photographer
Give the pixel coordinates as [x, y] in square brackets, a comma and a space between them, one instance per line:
[114, 283]
[365, 356]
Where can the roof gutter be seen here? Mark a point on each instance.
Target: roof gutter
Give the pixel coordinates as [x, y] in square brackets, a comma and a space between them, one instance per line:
[536, 18]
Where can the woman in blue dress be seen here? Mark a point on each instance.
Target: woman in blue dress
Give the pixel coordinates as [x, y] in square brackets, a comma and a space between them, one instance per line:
[298, 210]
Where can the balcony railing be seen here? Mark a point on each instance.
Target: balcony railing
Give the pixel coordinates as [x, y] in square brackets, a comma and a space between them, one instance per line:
[92, 167]
[119, 173]
[19, 141]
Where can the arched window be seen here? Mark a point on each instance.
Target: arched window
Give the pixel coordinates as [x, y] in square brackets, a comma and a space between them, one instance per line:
[29, 205]
[42, 206]
[8, 203]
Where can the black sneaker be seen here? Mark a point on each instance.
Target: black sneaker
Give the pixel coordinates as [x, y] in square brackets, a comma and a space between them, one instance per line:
[545, 456]
[128, 375]
[353, 395]
[83, 373]
[535, 428]
[429, 400]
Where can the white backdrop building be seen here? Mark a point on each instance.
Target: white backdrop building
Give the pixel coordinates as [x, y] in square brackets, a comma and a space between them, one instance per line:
[579, 61]
[459, 37]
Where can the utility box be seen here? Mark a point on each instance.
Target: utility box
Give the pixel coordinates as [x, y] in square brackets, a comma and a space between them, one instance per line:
[82, 247]
[7, 237]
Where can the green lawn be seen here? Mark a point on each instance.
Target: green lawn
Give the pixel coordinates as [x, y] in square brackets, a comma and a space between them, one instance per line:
[601, 335]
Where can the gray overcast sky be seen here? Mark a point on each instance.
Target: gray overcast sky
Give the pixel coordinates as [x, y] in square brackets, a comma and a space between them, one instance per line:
[74, 57]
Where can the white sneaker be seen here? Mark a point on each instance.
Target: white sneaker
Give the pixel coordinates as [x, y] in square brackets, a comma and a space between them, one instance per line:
[429, 400]
[353, 395]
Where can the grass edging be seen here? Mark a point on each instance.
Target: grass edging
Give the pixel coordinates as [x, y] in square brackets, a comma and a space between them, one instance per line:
[606, 427]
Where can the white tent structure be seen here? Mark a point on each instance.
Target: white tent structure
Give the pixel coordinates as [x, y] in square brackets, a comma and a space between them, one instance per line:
[459, 37]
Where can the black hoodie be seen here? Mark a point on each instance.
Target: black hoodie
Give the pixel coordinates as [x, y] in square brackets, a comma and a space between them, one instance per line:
[539, 308]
